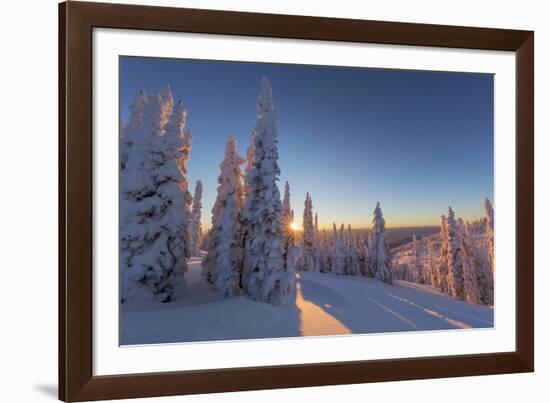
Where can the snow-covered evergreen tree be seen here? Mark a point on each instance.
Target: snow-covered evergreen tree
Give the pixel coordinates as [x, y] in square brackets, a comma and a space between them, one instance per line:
[265, 278]
[177, 126]
[490, 217]
[443, 269]
[171, 151]
[455, 277]
[309, 261]
[324, 253]
[229, 185]
[294, 258]
[196, 227]
[418, 268]
[484, 275]
[248, 177]
[480, 262]
[338, 255]
[154, 222]
[250, 162]
[228, 252]
[472, 292]
[434, 272]
[379, 256]
[184, 156]
[364, 258]
[286, 221]
[352, 262]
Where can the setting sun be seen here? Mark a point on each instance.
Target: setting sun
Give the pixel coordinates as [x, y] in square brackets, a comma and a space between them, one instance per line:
[294, 226]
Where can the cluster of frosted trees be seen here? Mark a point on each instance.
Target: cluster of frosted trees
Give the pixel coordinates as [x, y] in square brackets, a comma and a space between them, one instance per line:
[252, 246]
[344, 253]
[160, 220]
[458, 261]
[248, 246]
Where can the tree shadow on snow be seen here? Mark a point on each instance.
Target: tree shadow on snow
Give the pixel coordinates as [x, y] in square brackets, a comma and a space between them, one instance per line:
[366, 313]
[366, 306]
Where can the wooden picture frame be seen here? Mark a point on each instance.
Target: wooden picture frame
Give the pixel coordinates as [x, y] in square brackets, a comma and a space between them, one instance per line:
[76, 22]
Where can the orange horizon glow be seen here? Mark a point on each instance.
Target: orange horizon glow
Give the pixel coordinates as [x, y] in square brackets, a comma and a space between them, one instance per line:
[367, 225]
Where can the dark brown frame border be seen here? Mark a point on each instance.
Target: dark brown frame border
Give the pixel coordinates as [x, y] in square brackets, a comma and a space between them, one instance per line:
[76, 22]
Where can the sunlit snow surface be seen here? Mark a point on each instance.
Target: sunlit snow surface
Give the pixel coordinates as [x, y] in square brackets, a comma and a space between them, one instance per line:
[326, 304]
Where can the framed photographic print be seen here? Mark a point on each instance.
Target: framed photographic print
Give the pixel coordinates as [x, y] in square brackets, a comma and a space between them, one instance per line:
[252, 201]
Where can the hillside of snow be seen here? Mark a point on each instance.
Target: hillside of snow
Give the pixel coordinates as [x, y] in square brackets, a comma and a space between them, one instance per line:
[325, 304]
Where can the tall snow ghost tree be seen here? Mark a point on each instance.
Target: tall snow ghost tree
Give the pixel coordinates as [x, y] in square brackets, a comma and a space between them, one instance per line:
[455, 277]
[229, 186]
[154, 222]
[173, 149]
[490, 216]
[286, 221]
[183, 159]
[379, 255]
[179, 117]
[196, 227]
[309, 253]
[264, 276]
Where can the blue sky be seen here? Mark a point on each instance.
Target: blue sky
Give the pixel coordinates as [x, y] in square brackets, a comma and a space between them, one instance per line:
[416, 141]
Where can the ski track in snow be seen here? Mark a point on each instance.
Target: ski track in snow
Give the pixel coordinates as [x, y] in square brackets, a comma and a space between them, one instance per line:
[433, 313]
[325, 304]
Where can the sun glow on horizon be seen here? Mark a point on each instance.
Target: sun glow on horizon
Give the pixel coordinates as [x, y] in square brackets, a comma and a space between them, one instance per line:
[294, 226]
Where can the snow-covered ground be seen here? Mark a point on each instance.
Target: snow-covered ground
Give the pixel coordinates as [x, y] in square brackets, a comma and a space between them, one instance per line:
[326, 304]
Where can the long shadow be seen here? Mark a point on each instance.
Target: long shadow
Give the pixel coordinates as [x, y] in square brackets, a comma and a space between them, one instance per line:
[370, 318]
[284, 320]
[365, 306]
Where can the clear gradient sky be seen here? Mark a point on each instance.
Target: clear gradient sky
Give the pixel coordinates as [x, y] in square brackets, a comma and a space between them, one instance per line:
[415, 141]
